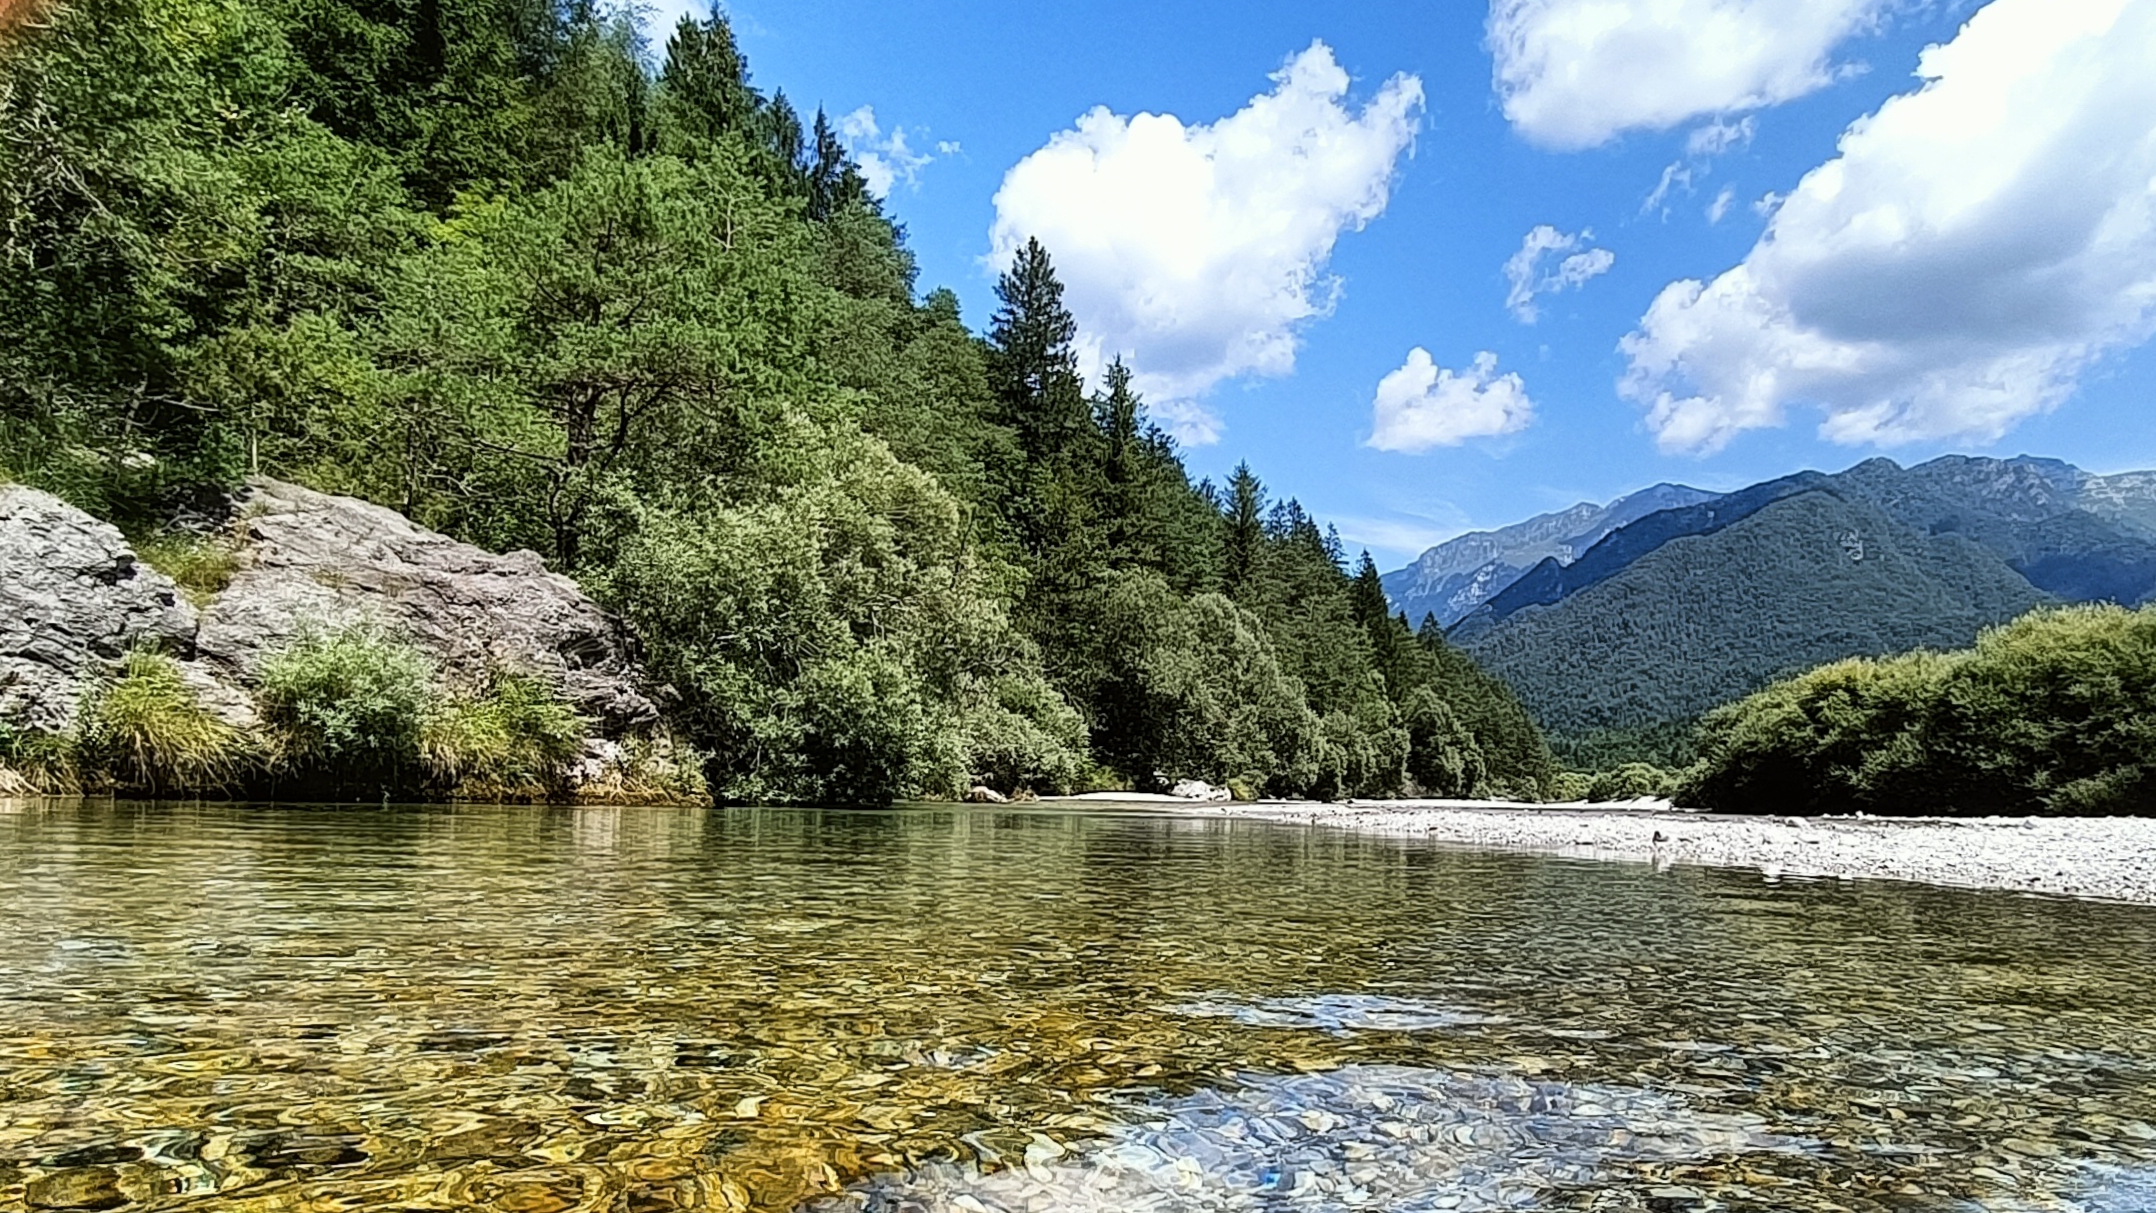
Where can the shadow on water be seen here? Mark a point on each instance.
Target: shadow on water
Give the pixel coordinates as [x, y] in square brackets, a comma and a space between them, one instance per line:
[943, 1008]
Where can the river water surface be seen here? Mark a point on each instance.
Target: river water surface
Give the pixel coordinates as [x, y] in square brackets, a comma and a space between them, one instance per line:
[252, 1008]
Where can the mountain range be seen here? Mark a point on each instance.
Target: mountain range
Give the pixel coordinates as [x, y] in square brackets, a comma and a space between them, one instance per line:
[1619, 624]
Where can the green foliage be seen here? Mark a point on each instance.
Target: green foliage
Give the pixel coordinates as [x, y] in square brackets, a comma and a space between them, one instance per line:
[145, 731]
[1569, 787]
[1443, 757]
[201, 565]
[1668, 744]
[1018, 733]
[1632, 781]
[2048, 714]
[478, 261]
[348, 709]
[836, 639]
[515, 740]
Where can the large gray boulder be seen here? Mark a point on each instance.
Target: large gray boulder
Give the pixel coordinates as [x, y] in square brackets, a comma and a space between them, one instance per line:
[312, 561]
[73, 601]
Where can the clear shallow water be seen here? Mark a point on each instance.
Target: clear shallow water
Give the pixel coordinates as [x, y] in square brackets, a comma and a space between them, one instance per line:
[631, 1010]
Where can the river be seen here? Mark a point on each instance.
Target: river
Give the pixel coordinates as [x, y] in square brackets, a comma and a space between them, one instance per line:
[252, 1008]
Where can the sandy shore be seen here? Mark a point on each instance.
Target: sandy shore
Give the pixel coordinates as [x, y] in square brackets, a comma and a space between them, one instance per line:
[2113, 858]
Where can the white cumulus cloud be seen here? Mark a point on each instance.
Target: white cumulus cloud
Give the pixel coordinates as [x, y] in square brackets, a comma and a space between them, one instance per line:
[1577, 73]
[1526, 278]
[1197, 251]
[1424, 405]
[884, 160]
[1975, 245]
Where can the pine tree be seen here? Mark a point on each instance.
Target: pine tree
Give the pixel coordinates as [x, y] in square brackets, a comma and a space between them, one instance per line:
[833, 180]
[785, 156]
[1137, 495]
[704, 80]
[1033, 365]
[1245, 539]
[1368, 598]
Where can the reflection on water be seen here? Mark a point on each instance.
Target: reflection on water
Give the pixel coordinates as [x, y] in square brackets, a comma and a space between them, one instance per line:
[1337, 1013]
[634, 1010]
[1359, 1137]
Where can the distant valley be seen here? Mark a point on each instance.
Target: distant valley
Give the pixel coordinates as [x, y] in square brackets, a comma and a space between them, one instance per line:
[1619, 624]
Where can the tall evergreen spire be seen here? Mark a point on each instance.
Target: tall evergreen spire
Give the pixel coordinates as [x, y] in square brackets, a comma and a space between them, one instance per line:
[1033, 362]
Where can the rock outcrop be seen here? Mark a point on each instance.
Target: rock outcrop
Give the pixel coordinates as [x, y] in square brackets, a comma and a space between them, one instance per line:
[310, 560]
[73, 601]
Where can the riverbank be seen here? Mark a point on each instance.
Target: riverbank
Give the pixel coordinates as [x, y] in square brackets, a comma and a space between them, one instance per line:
[2111, 858]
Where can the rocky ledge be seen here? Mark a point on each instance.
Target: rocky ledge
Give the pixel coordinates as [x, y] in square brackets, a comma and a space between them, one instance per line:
[75, 598]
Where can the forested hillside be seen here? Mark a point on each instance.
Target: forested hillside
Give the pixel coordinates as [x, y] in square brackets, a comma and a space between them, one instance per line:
[1621, 669]
[499, 266]
[1617, 649]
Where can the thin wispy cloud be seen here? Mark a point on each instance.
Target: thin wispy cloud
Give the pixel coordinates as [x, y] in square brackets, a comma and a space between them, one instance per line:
[1570, 264]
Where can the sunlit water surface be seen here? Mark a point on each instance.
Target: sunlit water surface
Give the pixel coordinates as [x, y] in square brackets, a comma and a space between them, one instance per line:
[546, 1009]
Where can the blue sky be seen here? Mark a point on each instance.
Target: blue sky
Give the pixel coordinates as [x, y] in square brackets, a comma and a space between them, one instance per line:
[1976, 274]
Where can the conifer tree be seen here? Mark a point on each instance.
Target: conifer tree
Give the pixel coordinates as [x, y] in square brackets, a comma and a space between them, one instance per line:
[1245, 532]
[833, 180]
[1033, 365]
[704, 81]
[1389, 637]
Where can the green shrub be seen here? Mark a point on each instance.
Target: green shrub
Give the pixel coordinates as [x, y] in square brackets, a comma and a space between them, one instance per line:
[1443, 757]
[2048, 714]
[1569, 786]
[513, 741]
[201, 565]
[347, 710]
[1021, 735]
[1632, 781]
[145, 731]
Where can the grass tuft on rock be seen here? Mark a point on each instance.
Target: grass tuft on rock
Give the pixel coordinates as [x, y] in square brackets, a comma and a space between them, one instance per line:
[37, 763]
[201, 565]
[648, 771]
[146, 731]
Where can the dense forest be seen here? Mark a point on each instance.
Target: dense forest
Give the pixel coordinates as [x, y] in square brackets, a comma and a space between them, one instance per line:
[499, 265]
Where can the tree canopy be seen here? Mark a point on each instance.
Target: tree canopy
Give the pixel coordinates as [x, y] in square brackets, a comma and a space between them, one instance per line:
[500, 266]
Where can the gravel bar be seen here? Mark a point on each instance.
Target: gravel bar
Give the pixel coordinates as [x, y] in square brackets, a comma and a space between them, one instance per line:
[2111, 858]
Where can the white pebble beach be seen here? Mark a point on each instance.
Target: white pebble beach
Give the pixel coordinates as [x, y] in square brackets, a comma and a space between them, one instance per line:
[2110, 858]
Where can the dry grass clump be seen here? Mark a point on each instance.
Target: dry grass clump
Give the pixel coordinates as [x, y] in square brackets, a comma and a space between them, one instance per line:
[35, 763]
[145, 731]
[516, 740]
[648, 771]
[201, 565]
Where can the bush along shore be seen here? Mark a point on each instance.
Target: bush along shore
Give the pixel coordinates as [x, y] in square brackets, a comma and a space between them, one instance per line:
[2053, 714]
